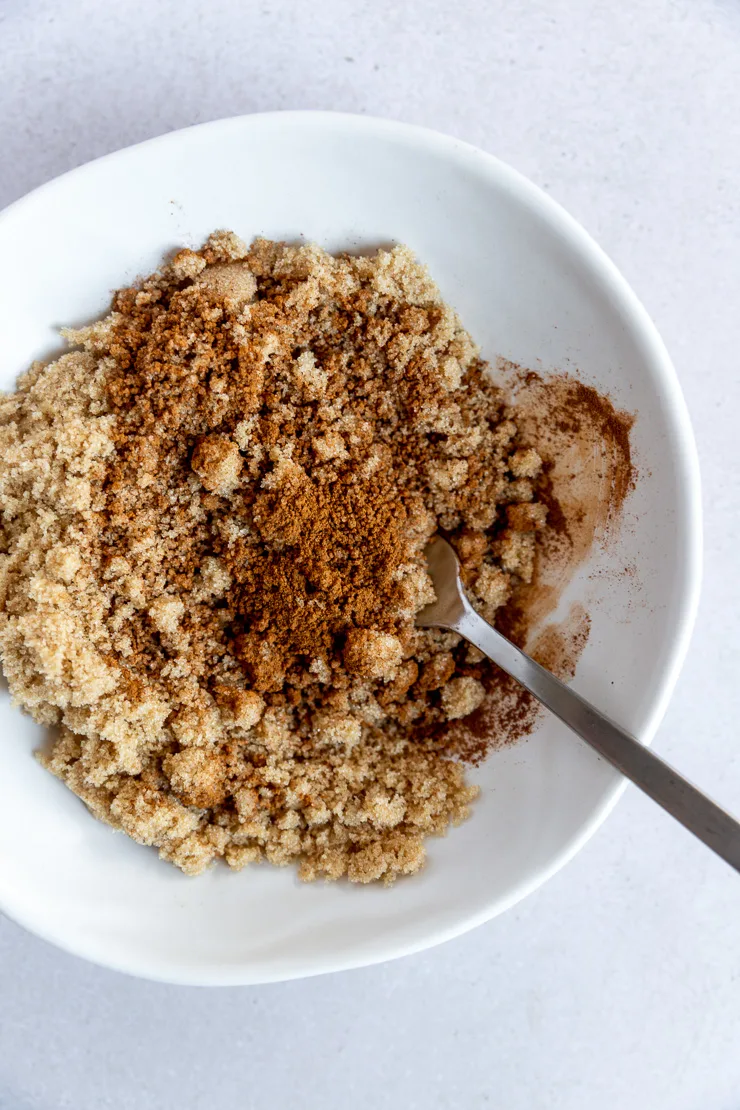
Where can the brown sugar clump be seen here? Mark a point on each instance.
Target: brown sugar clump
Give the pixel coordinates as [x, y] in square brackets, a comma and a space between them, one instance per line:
[217, 462]
[372, 654]
[461, 696]
[214, 512]
[437, 671]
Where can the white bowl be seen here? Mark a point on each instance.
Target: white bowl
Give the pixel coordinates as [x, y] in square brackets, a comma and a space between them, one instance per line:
[530, 285]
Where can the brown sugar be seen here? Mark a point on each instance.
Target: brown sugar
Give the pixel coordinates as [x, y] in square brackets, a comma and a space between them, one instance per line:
[214, 511]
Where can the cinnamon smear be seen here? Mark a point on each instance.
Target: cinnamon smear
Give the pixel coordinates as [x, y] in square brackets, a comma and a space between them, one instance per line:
[586, 477]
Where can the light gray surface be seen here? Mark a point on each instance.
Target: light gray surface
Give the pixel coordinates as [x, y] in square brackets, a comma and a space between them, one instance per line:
[617, 985]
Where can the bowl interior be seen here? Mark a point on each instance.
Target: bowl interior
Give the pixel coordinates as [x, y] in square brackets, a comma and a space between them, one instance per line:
[529, 285]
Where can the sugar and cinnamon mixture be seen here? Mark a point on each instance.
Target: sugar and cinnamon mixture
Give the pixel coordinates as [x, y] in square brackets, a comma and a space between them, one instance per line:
[214, 510]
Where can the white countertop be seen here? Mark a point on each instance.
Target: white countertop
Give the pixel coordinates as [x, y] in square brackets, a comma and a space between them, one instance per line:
[618, 984]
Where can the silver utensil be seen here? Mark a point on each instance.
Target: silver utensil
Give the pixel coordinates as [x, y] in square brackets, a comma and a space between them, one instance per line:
[698, 813]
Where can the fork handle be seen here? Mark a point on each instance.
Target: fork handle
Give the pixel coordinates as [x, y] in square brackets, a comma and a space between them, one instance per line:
[696, 812]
